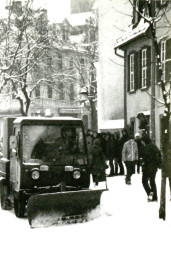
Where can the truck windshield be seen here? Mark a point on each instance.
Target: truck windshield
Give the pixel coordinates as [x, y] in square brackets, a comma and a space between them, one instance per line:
[59, 145]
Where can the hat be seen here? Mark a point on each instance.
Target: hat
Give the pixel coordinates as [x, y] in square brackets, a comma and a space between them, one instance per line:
[137, 135]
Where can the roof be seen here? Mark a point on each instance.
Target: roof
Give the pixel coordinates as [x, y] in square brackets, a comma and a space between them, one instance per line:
[132, 34]
[20, 119]
[112, 124]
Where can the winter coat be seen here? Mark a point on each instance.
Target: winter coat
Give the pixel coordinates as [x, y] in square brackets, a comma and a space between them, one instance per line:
[130, 151]
[120, 144]
[151, 156]
[111, 147]
[97, 162]
[89, 140]
[140, 145]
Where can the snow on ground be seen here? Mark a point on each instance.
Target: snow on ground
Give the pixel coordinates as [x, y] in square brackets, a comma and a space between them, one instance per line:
[128, 225]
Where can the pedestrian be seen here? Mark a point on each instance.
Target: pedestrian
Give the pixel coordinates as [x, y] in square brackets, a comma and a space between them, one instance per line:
[103, 142]
[110, 151]
[97, 163]
[89, 139]
[151, 161]
[140, 145]
[167, 165]
[129, 156]
[118, 154]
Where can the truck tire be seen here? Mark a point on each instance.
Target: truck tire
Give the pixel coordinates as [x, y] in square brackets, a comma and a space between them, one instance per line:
[5, 202]
[19, 207]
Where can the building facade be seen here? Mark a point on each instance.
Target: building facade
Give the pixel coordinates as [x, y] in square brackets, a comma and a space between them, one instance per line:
[143, 100]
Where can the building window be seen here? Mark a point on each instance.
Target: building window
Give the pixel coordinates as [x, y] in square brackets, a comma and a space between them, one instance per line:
[49, 91]
[82, 62]
[59, 61]
[61, 91]
[71, 93]
[37, 91]
[132, 69]
[163, 59]
[144, 68]
[71, 63]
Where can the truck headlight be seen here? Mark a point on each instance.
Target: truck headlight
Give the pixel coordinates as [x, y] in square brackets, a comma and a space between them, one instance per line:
[35, 175]
[76, 174]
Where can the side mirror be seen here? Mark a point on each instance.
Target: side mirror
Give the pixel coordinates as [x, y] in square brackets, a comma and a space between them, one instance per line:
[13, 142]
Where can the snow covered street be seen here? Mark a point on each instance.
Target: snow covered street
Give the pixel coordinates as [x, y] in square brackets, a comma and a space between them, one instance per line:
[128, 225]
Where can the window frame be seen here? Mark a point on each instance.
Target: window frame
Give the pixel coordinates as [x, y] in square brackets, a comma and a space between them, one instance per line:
[132, 72]
[144, 68]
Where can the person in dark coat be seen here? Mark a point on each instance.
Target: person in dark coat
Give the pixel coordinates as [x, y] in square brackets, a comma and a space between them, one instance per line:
[110, 149]
[140, 145]
[89, 139]
[119, 147]
[103, 142]
[151, 161]
[97, 163]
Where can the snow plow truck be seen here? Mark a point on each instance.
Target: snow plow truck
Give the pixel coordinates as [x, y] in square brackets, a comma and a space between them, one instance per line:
[44, 168]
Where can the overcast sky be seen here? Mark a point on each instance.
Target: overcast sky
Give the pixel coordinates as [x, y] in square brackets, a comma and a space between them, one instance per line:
[57, 9]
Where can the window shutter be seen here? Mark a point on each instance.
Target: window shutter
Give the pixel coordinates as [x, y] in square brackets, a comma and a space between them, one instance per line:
[128, 61]
[168, 57]
[148, 66]
[135, 71]
[159, 73]
[139, 69]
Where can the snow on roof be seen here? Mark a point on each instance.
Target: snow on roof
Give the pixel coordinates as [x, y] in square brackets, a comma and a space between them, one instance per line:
[112, 124]
[79, 19]
[133, 33]
[20, 119]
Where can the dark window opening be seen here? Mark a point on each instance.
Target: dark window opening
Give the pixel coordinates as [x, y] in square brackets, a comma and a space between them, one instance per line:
[59, 61]
[50, 91]
[37, 91]
[61, 91]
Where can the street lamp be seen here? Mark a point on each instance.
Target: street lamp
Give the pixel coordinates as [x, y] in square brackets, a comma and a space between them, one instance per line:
[83, 94]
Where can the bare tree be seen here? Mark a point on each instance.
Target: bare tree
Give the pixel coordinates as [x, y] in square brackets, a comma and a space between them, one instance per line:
[23, 42]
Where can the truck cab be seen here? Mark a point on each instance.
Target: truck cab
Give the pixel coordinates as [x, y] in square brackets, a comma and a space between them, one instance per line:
[43, 155]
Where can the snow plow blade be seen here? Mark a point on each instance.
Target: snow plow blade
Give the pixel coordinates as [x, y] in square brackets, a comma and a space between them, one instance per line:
[50, 209]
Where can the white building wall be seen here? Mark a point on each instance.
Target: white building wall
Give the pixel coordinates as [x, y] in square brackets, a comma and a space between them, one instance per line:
[112, 24]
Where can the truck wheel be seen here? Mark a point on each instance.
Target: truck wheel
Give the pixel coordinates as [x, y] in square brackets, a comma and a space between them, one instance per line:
[19, 207]
[5, 202]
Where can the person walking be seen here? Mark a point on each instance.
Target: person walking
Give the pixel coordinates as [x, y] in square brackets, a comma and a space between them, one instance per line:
[119, 142]
[129, 156]
[140, 145]
[97, 163]
[110, 152]
[151, 161]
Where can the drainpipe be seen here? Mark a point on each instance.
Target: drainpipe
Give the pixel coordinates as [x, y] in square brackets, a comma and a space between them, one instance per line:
[125, 91]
